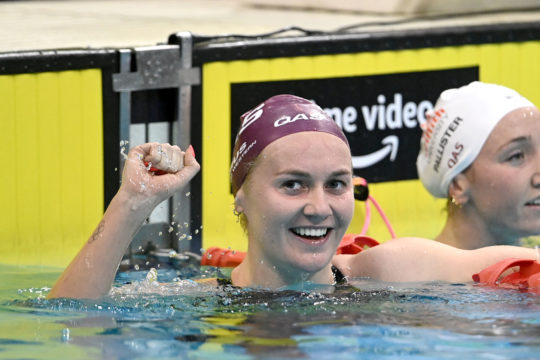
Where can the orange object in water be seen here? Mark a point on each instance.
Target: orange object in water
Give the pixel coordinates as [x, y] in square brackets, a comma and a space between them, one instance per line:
[526, 277]
[354, 243]
[350, 244]
[216, 256]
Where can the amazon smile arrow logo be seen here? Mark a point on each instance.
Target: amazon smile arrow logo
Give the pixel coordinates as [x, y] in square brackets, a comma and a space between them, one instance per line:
[390, 146]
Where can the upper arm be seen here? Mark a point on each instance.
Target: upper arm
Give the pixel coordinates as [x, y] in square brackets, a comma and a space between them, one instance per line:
[416, 259]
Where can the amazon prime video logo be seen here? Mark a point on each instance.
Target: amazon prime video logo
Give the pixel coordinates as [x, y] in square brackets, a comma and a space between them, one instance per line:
[381, 116]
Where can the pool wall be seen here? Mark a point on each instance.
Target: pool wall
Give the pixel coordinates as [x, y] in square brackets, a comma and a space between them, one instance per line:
[65, 123]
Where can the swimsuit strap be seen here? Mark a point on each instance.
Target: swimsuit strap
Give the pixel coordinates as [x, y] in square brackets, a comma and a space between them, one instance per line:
[224, 281]
[339, 278]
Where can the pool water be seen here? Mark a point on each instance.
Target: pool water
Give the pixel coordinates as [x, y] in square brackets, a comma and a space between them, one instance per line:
[180, 319]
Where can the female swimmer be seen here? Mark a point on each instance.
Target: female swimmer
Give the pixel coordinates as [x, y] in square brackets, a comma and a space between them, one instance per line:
[481, 150]
[292, 181]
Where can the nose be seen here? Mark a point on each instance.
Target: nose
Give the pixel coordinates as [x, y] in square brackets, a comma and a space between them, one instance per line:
[317, 207]
[535, 180]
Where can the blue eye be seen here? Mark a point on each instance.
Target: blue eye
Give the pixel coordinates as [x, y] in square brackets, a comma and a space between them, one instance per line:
[516, 157]
[292, 185]
[336, 185]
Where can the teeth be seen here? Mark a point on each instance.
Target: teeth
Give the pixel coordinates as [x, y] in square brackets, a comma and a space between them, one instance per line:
[315, 232]
[535, 201]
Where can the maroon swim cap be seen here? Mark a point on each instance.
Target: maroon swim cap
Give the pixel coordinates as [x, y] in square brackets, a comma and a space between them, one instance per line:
[279, 116]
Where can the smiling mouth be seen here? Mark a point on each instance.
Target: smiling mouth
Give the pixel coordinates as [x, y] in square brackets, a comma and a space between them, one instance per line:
[533, 202]
[311, 233]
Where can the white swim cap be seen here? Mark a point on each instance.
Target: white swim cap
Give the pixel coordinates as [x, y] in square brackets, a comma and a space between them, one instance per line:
[457, 128]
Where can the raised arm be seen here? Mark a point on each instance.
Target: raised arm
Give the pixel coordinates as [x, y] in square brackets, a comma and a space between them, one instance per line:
[416, 259]
[91, 273]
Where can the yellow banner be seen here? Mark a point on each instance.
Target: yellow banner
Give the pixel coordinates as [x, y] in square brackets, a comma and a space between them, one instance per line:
[52, 180]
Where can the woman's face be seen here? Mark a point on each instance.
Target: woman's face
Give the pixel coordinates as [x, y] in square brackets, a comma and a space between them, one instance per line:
[298, 201]
[505, 177]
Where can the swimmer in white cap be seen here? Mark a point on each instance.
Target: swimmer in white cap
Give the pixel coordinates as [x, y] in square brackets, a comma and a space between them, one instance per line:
[481, 150]
[292, 180]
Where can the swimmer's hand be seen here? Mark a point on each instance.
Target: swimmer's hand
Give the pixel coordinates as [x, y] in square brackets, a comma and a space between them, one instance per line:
[154, 171]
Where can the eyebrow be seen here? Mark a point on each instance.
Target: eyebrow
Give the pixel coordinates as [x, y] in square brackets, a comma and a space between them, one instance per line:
[305, 174]
[519, 139]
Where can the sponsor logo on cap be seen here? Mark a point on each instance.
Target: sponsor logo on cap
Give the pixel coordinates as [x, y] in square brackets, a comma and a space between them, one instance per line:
[250, 117]
[443, 142]
[242, 151]
[300, 116]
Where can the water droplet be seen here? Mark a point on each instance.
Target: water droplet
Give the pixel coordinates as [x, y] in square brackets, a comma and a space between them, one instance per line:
[188, 193]
[189, 237]
[136, 267]
[65, 335]
[171, 229]
[196, 231]
[123, 152]
[152, 276]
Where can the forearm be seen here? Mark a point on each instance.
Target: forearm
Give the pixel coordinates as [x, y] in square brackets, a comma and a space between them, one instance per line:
[456, 265]
[460, 265]
[92, 271]
[487, 256]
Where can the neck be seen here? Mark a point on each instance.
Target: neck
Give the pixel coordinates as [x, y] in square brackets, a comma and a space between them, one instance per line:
[256, 271]
[465, 229]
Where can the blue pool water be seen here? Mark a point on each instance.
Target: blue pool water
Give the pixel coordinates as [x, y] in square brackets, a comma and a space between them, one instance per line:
[180, 319]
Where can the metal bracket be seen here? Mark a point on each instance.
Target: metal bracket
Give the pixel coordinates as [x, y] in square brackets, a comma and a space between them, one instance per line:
[182, 137]
[158, 67]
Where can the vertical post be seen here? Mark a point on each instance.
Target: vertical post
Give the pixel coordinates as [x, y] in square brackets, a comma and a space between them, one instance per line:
[125, 109]
[181, 202]
[125, 122]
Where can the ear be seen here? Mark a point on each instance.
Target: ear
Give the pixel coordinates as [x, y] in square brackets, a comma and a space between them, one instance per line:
[459, 189]
[239, 200]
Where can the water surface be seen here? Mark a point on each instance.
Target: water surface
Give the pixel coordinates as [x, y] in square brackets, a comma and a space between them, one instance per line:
[178, 318]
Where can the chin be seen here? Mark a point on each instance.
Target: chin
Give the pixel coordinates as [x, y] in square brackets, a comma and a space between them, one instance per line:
[316, 262]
